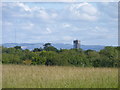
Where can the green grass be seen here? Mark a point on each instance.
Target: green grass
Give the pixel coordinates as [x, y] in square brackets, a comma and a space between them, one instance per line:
[21, 76]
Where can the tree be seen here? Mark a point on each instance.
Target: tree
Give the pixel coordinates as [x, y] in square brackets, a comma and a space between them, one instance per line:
[27, 55]
[37, 49]
[36, 59]
[9, 50]
[18, 47]
[107, 57]
[117, 63]
[92, 55]
[49, 47]
[111, 53]
[51, 60]
[11, 58]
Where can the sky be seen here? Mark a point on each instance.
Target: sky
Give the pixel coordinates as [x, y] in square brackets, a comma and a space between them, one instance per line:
[42, 22]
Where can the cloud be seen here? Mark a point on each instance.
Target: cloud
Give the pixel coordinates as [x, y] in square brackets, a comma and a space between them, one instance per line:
[66, 25]
[40, 22]
[54, 15]
[48, 31]
[110, 11]
[67, 38]
[25, 7]
[83, 11]
[100, 30]
[7, 23]
[23, 11]
[43, 14]
[89, 9]
[27, 26]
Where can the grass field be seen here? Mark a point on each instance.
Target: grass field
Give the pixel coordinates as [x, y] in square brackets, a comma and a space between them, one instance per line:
[21, 76]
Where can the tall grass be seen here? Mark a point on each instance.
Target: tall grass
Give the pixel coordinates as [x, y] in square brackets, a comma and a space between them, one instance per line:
[21, 76]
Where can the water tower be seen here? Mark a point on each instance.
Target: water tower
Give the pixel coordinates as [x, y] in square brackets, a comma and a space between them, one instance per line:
[76, 44]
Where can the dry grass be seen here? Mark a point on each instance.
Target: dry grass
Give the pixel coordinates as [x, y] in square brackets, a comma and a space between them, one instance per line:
[21, 76]
[0, 76]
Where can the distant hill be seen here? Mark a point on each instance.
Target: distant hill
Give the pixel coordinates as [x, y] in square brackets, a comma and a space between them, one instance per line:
[31, 46]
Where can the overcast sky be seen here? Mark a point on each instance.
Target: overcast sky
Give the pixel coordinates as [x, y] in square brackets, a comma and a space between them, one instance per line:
[92, 23]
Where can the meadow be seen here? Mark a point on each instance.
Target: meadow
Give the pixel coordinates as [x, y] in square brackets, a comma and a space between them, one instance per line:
[30, 76]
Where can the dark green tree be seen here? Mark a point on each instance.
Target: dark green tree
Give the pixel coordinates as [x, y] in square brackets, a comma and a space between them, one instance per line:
[36, 59]
[18, 47]
[49, 47]
[37, 49]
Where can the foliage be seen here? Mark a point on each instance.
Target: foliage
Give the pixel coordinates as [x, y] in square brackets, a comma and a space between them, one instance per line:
[27, 62]
[37, 49]
[10, 58]
[49, 55]
[18, 47]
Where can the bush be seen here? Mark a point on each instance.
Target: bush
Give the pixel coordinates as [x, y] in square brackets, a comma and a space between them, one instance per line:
[107, 57]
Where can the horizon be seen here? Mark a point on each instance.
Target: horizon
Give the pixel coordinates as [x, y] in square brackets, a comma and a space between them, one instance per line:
[33, 22]
[63, 43]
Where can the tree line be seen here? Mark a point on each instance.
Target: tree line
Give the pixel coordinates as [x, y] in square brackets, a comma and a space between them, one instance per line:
[49, 56]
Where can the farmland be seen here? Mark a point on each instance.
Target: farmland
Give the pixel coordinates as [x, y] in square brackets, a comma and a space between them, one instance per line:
[40, 76]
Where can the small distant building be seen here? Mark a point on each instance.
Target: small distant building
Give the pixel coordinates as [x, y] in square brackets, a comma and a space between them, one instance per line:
[76, 44]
